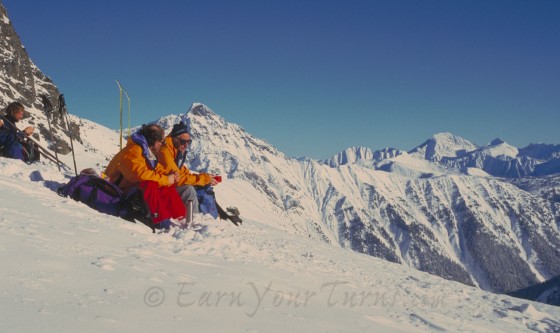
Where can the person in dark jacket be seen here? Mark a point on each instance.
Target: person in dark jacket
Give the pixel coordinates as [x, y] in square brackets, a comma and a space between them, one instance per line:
[14, 144]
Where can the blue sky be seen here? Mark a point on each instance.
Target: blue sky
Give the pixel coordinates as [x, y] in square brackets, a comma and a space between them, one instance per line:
[312, 77]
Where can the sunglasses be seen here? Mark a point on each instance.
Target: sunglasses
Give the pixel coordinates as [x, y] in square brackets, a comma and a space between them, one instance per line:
[183, 141]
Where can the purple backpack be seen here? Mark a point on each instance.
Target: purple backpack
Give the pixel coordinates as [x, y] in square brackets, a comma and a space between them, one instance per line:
[107, 198]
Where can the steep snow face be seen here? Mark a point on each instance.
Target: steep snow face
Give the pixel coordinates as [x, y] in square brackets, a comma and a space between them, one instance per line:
[350, 155]
[408, 166]
[386, 153]
[443, 145]
[446, 226]
[361, 155]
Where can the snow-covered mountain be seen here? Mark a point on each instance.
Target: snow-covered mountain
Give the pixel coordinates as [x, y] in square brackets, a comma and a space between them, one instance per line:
[443, 145]
[22, 81]
[500, 159]
[436, 208]
[459, 155]
[361, 155]
[349, 156]
[497, 158]
[443, 223]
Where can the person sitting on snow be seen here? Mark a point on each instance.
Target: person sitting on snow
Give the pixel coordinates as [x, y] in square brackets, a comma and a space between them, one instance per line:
[172, 157]
[136, 165]
[14, 143]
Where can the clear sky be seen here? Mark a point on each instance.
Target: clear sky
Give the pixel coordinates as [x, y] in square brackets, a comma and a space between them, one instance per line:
[312, 77]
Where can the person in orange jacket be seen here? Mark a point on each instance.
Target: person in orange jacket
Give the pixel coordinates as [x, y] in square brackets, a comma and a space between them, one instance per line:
[136, 165]
[137, 161]
[172, 157]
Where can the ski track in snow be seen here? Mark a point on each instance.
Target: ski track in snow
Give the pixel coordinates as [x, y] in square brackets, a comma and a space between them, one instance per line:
[67, 268]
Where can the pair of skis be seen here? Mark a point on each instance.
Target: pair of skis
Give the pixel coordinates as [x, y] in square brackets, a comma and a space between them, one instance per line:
[47, 106]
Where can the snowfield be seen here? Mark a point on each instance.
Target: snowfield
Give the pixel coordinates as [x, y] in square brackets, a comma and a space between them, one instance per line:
[68, 268]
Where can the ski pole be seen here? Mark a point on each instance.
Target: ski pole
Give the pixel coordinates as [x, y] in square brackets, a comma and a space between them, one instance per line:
[47, 106]
[120, 108]
[64, 115]
[128, 97]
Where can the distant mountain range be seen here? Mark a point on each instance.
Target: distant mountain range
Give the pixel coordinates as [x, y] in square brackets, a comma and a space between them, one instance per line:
[483, 216]
[458, 155]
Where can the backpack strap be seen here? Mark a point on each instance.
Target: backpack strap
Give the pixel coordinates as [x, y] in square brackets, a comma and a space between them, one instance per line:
[119, 179]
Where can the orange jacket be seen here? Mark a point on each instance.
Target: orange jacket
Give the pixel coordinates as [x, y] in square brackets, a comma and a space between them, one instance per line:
[167, 156]
[131, 167]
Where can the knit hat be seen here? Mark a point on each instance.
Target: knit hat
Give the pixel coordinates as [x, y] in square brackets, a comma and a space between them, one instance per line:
[179, 129]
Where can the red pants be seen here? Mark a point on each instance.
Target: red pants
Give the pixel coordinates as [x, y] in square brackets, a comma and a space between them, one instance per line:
[164, 202]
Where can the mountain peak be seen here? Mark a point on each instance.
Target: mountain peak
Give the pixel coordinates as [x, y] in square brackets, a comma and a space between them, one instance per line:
[501, 149]
[200, 109]
[496, 141]
[444, 136]
[441, 145]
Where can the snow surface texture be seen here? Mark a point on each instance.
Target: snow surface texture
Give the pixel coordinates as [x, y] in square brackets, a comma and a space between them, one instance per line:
[67, 268]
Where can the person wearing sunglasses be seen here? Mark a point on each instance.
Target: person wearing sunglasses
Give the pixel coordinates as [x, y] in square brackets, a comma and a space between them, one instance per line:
[137, 166]
[172, 157]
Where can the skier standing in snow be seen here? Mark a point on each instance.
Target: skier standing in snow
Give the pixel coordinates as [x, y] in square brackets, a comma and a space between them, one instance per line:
[172, 157]
[136, 165]
[14, 144]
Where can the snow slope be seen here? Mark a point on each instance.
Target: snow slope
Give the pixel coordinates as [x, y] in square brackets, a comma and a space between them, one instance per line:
[67, 268]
